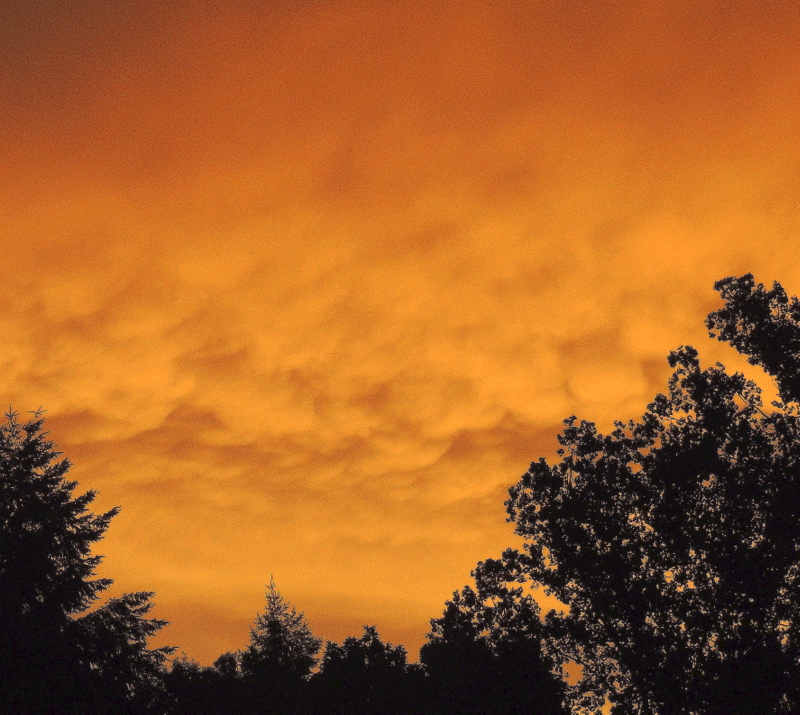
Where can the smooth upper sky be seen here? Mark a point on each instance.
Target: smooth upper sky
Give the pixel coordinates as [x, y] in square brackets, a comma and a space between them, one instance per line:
[304, 286]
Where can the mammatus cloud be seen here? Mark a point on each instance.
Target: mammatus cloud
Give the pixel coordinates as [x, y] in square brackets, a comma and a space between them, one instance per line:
[306, 288]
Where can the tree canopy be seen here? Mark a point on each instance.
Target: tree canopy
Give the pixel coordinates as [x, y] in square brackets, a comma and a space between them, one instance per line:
[364, 675]
[674, 541]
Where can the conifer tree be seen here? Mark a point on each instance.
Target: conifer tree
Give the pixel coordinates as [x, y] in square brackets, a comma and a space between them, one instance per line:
[56, 656]
[280, 638]
[279, 659]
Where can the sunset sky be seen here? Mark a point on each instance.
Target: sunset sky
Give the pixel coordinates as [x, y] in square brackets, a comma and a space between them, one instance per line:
[305, 286]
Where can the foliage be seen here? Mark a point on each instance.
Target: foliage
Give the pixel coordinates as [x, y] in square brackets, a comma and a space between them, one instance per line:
[270, 675]
[191, 689]
[484, 655]
[113, 640]
[54, 655]
[674, 541]
[363, 675]
[763, 324]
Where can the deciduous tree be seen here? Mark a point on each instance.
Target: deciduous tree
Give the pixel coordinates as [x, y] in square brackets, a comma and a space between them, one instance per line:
[675, 540]
[484, 655]
[364, 675]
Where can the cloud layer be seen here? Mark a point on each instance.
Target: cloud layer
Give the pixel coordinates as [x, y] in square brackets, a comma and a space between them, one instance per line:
[305, 286]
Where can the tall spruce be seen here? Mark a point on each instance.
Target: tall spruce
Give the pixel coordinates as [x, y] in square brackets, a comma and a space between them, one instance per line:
[280, 638]
[279, 658]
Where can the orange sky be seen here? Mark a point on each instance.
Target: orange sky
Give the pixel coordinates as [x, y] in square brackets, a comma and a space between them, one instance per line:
[304, 286]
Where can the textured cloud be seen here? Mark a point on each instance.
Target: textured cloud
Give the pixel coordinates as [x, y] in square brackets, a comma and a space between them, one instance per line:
[305, 286]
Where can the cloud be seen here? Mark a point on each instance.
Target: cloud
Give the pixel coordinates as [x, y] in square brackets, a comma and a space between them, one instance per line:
[305, 287]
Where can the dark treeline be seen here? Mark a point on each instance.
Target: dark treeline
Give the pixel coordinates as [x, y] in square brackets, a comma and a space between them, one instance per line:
[460, 672]
[275, 672]
[673, 543]
[62, 654]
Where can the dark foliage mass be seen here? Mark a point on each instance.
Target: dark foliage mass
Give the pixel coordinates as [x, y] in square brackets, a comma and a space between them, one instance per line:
[484, 654]
[673, 543]
[765, 326]
[365, 675]
[462, 672]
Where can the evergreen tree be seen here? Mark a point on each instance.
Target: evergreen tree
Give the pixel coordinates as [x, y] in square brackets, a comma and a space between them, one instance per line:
[55, 655]
[281, 654]
[280, 638]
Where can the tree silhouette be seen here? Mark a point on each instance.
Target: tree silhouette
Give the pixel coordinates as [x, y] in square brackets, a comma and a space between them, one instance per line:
[280, 656]
[54, 655]
[675, 541]
[765, 325]
[280, 638]
[484, 655]
[364, 675]
[191, 689]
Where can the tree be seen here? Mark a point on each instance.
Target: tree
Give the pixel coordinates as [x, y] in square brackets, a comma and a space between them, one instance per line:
[55, 654]
[191, 689]
[363, 675]
[765, 326]
[484, 655]
[112, 643]
[280, 656]
[675, 541]
[281, 638]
